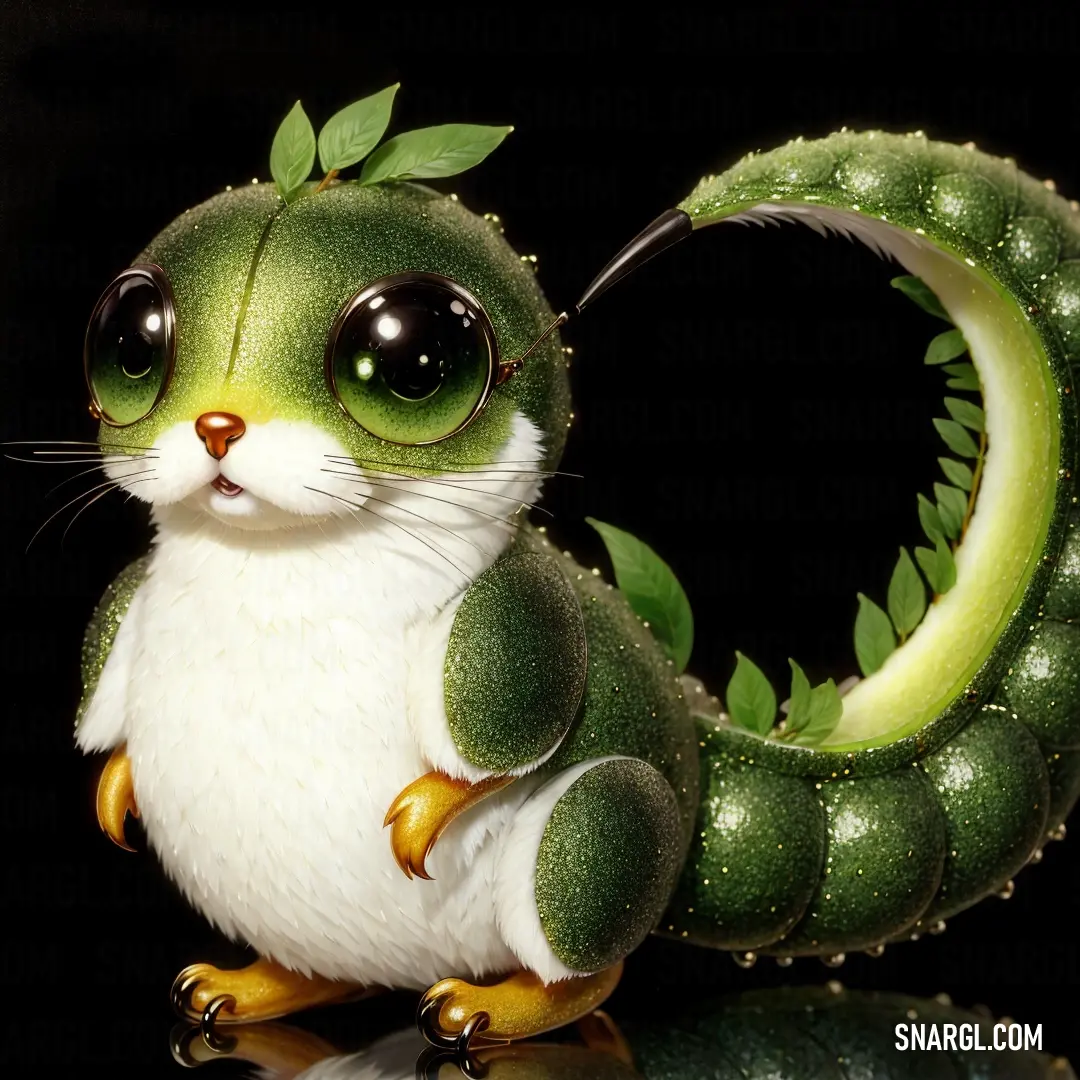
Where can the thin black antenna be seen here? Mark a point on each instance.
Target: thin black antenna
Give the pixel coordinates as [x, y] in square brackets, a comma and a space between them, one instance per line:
[669, 228]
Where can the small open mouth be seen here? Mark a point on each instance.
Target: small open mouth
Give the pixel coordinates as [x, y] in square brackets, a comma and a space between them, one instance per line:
[226, 487]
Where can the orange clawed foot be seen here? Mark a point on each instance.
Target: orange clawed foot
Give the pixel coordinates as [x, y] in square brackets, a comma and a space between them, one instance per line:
[421, 813]
[454, 1014]
[262, 991]
[116, 797]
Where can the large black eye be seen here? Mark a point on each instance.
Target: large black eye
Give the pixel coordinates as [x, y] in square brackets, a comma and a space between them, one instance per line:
[412, 358]
[128, 354]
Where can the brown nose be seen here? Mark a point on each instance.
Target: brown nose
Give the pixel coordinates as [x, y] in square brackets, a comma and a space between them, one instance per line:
[217, 430]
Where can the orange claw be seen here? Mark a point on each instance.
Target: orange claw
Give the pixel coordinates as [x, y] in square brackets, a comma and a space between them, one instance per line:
[422, 811]
[116, 797]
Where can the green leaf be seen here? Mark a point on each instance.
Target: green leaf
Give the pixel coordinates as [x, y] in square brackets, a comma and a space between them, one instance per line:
[652, 590]
[826, 708]
[930, 520]
[945, 347]
[292, 153]
[965, 377]
[799, 710]
[916, 289]
[957, 472]
[966, 412]
[927, 559]
[751, 700]
[351, 134]
[952, 506]
[938, 566]
[956, 438]
[946, 567]
[907, 595]
[874, 637]
[431, 152]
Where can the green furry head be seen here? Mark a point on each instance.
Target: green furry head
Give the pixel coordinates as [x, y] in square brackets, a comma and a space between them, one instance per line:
[340, 327]
[258, 283]
[258, 276]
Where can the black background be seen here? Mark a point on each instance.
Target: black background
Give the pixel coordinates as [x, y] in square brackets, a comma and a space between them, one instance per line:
[752, 404]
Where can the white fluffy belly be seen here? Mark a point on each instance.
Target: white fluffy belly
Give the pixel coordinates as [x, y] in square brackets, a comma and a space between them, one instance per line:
[267, 732]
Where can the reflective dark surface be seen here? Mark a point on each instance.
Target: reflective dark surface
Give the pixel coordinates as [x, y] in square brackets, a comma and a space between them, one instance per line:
[809, 1033]
[412, 358]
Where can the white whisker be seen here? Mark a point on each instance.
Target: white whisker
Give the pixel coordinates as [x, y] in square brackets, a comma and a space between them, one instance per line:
[388, 482]
[100, 495]
[397, 524]
[113, 483]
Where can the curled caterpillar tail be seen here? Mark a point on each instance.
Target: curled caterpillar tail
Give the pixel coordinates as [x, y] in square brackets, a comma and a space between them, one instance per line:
[959, 755]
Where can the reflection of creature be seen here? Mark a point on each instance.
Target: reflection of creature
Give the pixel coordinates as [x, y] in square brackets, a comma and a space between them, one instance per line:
[337, 399]
[815, 1033]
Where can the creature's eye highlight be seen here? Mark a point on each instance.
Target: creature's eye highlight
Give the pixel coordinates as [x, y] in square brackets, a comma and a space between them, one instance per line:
[130, 344]
[412, 358]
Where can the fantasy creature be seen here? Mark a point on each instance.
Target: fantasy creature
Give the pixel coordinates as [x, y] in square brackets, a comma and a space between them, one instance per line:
[378, 727]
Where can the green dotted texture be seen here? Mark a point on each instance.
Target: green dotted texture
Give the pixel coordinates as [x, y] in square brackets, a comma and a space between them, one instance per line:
[1043, 685]
[607, 861]
[758, 852]
[884, 852]
[515, 663]
[994, 788]
[103, 626]
[634, 703]
[1063, 768]
[903, 849]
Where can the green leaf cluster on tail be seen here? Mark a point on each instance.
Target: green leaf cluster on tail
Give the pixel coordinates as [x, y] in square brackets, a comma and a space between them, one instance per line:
[944, 519]
[652, 590]
[352, 133]
[812, 712]
[750, 698]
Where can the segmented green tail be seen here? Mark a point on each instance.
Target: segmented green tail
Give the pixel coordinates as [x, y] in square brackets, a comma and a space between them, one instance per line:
[955, 761]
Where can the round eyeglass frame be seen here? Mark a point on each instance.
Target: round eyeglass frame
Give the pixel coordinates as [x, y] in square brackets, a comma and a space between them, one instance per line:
[154, 273]
[448, 285]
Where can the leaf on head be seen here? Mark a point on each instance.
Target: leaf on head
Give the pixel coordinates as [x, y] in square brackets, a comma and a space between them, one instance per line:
[429, 153]
[352, 133]
[293, 153]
